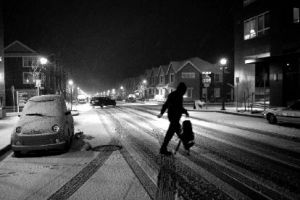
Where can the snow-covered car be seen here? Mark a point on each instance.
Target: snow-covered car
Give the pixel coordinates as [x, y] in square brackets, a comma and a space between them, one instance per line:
[290, 114]
[44, 124]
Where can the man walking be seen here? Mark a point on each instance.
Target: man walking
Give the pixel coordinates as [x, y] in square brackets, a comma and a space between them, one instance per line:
[174, 104]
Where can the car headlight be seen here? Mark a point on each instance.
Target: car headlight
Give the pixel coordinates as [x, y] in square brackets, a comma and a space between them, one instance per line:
[55, 128]
[18, 129]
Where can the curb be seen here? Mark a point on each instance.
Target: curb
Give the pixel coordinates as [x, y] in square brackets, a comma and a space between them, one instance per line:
[230, 113]
[4, 150]
[243, 114]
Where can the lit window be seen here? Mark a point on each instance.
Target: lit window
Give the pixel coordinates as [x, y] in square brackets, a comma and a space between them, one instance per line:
[189, 93]
[27, 78]
[256, 26]
[29, 61]
[189, 75]
[296, 16]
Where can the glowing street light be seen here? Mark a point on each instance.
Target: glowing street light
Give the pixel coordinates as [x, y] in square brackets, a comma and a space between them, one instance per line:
[43, 60]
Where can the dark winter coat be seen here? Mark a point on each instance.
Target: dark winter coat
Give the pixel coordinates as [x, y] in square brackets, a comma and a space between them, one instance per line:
[174, 104]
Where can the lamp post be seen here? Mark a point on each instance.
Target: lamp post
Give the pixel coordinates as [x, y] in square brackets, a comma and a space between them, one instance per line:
[144, 88]
[36, 70]
[223, 63]
[71, 85]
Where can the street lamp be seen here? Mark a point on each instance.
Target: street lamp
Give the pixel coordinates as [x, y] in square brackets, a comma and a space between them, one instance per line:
[144, 88]
[42, 61]
[71, 85]
[223, 63]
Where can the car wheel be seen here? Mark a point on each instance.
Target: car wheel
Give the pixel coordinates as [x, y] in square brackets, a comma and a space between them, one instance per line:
[17, 154]
[272, 119]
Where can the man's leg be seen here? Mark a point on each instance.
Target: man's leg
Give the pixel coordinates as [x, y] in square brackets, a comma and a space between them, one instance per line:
[173, 127]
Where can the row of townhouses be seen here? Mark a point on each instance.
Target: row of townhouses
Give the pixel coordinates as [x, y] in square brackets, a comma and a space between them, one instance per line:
[265, 64]
[203, 79]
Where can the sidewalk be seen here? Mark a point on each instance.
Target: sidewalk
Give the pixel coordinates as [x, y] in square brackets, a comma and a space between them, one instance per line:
[229, 109]
[7, 125]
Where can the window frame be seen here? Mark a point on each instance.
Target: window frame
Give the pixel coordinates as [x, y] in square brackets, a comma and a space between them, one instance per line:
[257, 31]
[161, 79]
[24, 81]
[189, 90]
[172, 77]
[34, 60]
[188, 75]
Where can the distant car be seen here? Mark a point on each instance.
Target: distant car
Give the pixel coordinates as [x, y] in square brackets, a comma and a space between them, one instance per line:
[81, 101]
[290, 114]
[44, 124]
[130, 99]
[102, 101]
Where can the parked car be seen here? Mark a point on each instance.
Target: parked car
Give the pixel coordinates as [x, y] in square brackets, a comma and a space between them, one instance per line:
[102, 101]
[290, 114]
[44, 124]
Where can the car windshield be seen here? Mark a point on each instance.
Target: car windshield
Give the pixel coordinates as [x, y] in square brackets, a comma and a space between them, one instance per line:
[42, 108]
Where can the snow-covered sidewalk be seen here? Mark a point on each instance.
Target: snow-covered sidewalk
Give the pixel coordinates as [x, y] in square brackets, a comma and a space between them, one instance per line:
[7, 124]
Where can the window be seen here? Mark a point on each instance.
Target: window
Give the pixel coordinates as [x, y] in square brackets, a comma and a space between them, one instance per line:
[161, 79]
[217, 77]
[189, 75]
[257, 26]
[171, 78]
[189, 93]
[296, 16]
[27, 78]
[29, 61]
[217, 92]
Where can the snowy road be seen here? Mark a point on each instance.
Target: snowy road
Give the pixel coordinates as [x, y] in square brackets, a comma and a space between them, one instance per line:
[235, 157]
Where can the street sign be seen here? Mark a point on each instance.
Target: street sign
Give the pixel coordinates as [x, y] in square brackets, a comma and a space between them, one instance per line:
[38, 83]
[206, 80]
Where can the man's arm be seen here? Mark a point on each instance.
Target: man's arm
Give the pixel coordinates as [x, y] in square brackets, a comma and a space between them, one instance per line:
[164, 107]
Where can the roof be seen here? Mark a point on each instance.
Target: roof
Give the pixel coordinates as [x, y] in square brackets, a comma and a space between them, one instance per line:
[200, 65]
[18, 47]
[175, 65]
[163, 68]
[155, 71]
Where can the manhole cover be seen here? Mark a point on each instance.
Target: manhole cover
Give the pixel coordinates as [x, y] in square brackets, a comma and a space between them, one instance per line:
[107, 148]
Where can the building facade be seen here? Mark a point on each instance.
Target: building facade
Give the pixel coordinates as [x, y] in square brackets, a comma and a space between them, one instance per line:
[267, 52]
[26, 76]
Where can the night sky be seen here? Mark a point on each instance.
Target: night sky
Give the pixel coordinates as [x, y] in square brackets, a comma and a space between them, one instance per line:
[102, 42]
